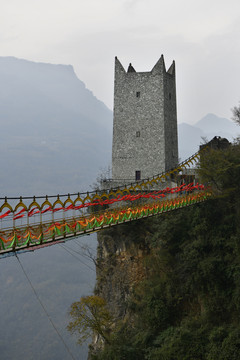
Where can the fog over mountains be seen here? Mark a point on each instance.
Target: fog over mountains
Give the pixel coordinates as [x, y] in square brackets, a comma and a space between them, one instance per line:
[56, 135]
[190, 137]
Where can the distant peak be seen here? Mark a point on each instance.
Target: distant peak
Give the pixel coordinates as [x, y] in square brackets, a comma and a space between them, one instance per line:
[13, 59]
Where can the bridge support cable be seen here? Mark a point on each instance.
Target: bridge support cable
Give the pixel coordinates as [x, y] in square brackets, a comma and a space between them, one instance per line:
[44, 309]
[30, 222]
[71, 251]
[92, 253]
[139, 206]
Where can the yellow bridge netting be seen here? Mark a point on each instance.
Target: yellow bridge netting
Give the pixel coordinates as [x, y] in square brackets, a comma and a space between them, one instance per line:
[37, 221]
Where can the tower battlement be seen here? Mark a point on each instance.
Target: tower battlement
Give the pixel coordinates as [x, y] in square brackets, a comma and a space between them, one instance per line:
[145, 121]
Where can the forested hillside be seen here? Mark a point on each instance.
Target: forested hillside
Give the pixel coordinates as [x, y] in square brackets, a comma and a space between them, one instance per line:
[187, 307]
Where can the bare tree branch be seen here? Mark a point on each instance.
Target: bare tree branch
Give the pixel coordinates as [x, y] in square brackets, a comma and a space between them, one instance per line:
[236, 114]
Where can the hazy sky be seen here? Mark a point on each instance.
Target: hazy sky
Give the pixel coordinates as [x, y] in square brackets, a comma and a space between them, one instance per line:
[203, 37]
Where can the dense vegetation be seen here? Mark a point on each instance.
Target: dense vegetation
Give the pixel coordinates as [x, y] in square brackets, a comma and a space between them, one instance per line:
[188, 308]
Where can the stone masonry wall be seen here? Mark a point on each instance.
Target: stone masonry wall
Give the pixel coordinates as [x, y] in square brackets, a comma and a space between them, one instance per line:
[170, 117]
[144, 127]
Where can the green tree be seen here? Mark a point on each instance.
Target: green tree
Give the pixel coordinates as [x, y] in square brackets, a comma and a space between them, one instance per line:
[188, 306]
[90, 315]
[221, 169]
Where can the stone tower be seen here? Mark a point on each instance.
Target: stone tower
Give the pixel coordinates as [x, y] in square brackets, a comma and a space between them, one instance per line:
[145, 139]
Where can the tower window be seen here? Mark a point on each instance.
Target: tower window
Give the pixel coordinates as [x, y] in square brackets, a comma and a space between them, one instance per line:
[137, 133]
[137, 175]
[138, 94]
[170, 96]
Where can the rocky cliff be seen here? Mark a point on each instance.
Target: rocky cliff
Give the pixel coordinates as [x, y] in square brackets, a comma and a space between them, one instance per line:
[120, 265]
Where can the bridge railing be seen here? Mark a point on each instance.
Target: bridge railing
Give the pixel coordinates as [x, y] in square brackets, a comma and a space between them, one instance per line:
[45, 224]
[27, 221]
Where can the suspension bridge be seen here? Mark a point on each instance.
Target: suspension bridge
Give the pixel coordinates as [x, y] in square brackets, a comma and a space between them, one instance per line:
[31, 222]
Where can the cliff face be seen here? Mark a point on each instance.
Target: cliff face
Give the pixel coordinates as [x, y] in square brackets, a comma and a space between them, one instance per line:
[120, 264]
[188, 305]
[119, 267]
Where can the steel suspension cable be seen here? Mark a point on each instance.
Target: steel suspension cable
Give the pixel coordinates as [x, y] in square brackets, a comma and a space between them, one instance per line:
[82, 248]
[189, 159]
[76, 257]
[44, 309]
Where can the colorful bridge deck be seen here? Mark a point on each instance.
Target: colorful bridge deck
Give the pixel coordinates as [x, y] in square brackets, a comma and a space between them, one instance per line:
[28, 222]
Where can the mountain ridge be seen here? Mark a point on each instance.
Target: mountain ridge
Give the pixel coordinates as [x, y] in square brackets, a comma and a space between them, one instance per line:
[52, 127]
[56, 136]
[191, 136]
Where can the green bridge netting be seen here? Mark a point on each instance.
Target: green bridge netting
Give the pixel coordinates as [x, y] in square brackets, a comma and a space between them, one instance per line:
[36, 221]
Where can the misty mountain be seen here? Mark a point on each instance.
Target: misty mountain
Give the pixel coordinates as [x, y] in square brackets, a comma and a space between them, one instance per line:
[191, 136]
[55, 134]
